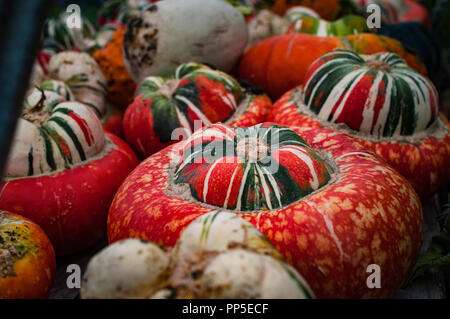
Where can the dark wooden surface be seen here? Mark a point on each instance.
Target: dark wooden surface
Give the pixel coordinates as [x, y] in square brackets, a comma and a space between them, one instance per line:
[60, 289]
[431, 285]
[20, 26]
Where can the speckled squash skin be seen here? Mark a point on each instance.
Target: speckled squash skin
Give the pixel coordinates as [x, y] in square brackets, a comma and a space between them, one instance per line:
[196, 93]
[33, 259]
[71, 206]
[169, 33]
[414, 145]
[370, 214]
[278, 64]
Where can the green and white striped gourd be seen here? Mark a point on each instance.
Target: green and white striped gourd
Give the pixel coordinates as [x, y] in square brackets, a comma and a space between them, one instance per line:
[84, 77]
[375, 94]
[248, 169]
[53, 134]
[57, 35]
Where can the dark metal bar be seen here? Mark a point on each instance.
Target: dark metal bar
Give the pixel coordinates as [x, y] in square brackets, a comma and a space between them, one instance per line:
[20, 28]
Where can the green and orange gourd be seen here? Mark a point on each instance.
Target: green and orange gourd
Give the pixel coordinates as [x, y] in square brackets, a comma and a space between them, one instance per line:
[81, 73]
[27, 259]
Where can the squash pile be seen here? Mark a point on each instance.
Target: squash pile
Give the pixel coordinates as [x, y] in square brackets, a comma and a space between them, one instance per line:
[329, 205]
[284, 148]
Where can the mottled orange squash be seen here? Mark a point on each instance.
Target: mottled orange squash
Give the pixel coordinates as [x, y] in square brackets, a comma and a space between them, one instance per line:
[27, 259]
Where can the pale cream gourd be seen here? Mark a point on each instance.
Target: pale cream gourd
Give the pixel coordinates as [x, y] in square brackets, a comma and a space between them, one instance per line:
[127, 269]
[53, 134]
[219, 255]
[173, 32]
[84, 77]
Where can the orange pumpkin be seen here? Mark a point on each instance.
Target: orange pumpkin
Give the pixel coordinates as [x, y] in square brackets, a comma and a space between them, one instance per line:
[27, 259]
[278, 64]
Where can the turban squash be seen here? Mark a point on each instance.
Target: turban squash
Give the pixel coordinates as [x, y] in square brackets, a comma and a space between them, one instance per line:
[330, 206]
[381, 101]
[327, 9]
[27, 259]
[165, 108]
[63, 170]
[58, 36]
[278, 64]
